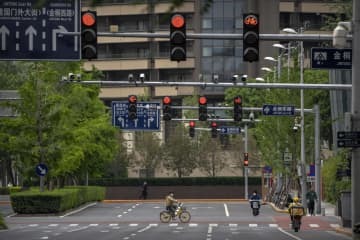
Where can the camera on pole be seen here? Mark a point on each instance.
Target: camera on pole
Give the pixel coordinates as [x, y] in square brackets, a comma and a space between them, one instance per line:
[177, 37]
[88, 35]
[250, 37]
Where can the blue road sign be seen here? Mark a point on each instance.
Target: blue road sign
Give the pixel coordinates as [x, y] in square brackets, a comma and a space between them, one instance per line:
[148, 116]
[230, 130]
[278, 110]
[331, 58]
[30, 32]
[41, 169]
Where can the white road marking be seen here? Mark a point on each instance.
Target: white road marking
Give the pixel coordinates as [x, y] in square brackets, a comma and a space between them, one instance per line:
[113, 224]
[213, 224]
[253, 225]
[233, 225]
[44, 237]
[226, 210]
[273, 225]
[129, 210]
[73, 225]
[12, 215]
[173, 225]
[78, 229]
[78, 210]
[133, 225]
[314, 225]
[333, 225]
[93, 225]
[124, 212]
[193, 225]
[119, 216]
[53, 225]
[289, 234]
[144, 229]
[33, 225]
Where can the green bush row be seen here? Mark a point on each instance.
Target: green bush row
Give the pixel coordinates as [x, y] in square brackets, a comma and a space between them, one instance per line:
[2, 222]
[187, 181]
[9, 190]
[56, 201]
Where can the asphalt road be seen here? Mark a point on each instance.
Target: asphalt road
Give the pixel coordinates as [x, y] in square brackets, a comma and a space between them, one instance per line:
[140, 221]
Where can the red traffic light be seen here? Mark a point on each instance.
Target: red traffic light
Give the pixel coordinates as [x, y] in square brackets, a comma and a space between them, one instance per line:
[132, 99]
[202, 100]
[192, 124]
[177, 21]
[251, 20]
[88, 19]
[213, 124]
[237, 100]
[167, 100]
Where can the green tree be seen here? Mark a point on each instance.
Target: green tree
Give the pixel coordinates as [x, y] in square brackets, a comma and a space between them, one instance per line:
[148, 149]
[180, 153]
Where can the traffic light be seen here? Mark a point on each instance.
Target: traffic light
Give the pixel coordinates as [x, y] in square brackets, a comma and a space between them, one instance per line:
[237, 108]
[192, 129]
[132, 109]
[88, 35]
[203, 108]
[250, 37]
[167, 111]
[177, 38]
[214, 132]
[246, 159]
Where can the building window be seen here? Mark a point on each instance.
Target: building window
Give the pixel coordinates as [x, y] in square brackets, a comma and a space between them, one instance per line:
[207, 52]
[206, 23]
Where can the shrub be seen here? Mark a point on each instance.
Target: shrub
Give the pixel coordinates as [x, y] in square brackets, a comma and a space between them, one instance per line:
[56, 201]
[2, 222]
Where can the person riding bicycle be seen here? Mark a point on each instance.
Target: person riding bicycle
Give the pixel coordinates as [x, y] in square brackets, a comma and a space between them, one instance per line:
[296, 209]
[170, 203]
[254, 197]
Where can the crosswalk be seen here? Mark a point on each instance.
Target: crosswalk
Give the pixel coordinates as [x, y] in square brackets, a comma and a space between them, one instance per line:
[171, 225]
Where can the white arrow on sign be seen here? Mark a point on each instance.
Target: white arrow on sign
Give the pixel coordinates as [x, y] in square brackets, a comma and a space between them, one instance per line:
[3, 32]
[267, 110]
[42, 170]
[55, 33]
[121, 120]
[31, 31]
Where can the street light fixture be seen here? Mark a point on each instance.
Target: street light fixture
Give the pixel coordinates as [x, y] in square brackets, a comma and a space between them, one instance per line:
[303, 163]
[260, 79]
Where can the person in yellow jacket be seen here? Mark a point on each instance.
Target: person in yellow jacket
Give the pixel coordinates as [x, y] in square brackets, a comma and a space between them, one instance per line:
[296, 209]
[170, 203]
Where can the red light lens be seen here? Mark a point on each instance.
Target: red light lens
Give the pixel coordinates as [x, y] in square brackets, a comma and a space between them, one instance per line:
[88, 19]
[166, 100]
[177, 21]
[251, 20]
[213, 124]
[132, 98]
[192, 124]
[237, 100]
[202, 100]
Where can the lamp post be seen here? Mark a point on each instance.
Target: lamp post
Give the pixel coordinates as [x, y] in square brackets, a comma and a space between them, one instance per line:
[302, 130]
[278, 66]
[288, 48]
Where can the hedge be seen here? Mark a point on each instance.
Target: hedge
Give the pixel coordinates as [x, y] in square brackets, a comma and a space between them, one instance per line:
[9, 190]
[56, 201]
[2, 222]
[186, 181]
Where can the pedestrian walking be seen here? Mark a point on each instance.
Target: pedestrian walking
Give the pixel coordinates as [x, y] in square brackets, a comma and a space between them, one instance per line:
[144, 191]
[311, 197]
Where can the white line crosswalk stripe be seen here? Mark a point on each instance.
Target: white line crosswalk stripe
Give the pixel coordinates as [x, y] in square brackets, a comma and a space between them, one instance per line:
[314, 225]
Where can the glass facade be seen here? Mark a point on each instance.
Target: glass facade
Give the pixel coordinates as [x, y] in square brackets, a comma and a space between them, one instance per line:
[222, 57]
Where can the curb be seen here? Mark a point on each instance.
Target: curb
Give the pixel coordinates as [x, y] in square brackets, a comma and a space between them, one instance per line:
[276, 208]
[344, 231]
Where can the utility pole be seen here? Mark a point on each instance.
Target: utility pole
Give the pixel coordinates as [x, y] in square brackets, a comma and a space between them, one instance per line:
[355, 111]
[317, 158]
[246, 167]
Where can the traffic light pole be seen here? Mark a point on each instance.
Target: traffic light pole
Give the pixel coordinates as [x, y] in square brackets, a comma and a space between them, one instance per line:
[225, 84]
[246, 167]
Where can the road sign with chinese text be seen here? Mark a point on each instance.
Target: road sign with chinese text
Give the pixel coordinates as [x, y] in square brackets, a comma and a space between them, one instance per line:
[331, 58]
[30, 32]
[348, 139]
[230, 130]
[148, 116]
[278, 110]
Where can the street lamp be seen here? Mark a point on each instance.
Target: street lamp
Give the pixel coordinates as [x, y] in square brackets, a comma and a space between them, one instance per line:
[260, 79]
[303, 163]
[282, 47]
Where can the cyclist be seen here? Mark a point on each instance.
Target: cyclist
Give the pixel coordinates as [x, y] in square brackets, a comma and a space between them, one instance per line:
[296, 211]
[170, 203]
